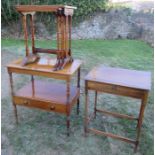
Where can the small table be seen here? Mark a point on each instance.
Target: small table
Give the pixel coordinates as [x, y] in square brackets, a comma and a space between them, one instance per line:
[117, 81]
[46, 95]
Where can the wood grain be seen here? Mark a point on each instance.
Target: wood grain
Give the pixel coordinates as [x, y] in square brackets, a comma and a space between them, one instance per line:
[45, 69]
[41, 8]
[62, 14]
[47, 96]
[118, 81]
[121, 77]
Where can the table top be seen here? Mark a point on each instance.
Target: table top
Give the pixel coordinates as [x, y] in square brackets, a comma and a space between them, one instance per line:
[122, 77]
[42, 8]
[44, 67]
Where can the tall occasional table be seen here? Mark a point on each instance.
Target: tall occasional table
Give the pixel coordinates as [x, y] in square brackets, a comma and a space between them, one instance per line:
[117, 81]
[45, 95]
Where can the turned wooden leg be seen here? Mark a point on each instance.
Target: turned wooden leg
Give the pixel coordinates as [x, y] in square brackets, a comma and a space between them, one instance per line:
[68, 124]
[12, 94]
[32, 31]
[86, 109]
[95, 104]
[78, 85]
[24, 17]
[68, 107]
[140, 120]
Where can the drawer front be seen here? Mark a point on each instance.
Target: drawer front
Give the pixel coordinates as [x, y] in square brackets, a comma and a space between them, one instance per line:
[115, 89]
[39, 104]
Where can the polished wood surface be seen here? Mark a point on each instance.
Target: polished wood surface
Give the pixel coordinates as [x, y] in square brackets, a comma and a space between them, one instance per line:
[42, 8]
[121, 77]
[43, 67]
[115, 89]
[46, 91]
[63, 15]
[130, 83]
[47, 96]
[42, 95]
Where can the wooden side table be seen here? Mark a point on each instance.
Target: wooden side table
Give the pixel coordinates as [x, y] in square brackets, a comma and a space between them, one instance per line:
[117, 81]
[46, 95]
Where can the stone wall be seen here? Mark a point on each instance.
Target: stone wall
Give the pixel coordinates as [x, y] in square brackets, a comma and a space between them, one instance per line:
[117, 23]
[113, 24]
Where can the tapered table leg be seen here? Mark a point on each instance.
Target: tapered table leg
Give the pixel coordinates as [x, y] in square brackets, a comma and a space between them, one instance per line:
[12, 94]
[95, 104]
[78, 85]
[68, 108]
[140, 120]
[78, 105]
[86, 109]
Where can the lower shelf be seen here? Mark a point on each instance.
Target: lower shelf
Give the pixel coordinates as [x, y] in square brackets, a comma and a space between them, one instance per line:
[46, 95]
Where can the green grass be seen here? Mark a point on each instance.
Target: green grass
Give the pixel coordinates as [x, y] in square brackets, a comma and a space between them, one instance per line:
[41, 132]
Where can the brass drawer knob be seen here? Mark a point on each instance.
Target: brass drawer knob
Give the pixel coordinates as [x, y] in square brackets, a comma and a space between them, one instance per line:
[52, 107]
[26, 103]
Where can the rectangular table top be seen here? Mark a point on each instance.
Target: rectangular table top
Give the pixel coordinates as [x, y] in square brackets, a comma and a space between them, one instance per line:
[42, 8]
[122, 77]
[44, 67]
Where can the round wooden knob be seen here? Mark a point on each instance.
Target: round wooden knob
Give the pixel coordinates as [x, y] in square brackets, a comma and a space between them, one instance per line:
[52, 107]
[26, 102]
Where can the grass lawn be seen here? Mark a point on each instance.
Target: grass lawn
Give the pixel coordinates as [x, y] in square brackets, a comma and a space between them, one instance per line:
[44, 133]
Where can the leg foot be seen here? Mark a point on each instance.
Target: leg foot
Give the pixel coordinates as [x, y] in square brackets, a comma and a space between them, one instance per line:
[15, 113]
[85, 131]
[136, 146]
[68, 125]
[95, 104]
[78, 103]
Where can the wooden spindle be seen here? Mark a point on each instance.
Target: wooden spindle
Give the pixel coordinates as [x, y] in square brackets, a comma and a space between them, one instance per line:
[66, 35]
[70, 31]
[32, 31]
[25, 33]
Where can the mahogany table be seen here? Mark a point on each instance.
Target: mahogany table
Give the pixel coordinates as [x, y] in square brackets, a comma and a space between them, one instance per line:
[117, 81]
[46, 95]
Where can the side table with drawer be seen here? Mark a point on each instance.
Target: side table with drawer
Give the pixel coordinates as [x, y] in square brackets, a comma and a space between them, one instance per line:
[124, 82]
[45, 95]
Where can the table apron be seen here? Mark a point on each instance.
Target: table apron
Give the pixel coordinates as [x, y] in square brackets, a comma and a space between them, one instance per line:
[115, 89]
[39, 73]
[46, 105]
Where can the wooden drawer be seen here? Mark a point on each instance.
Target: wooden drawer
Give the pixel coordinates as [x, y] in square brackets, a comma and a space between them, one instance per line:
[115, 89]
[46, 105]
